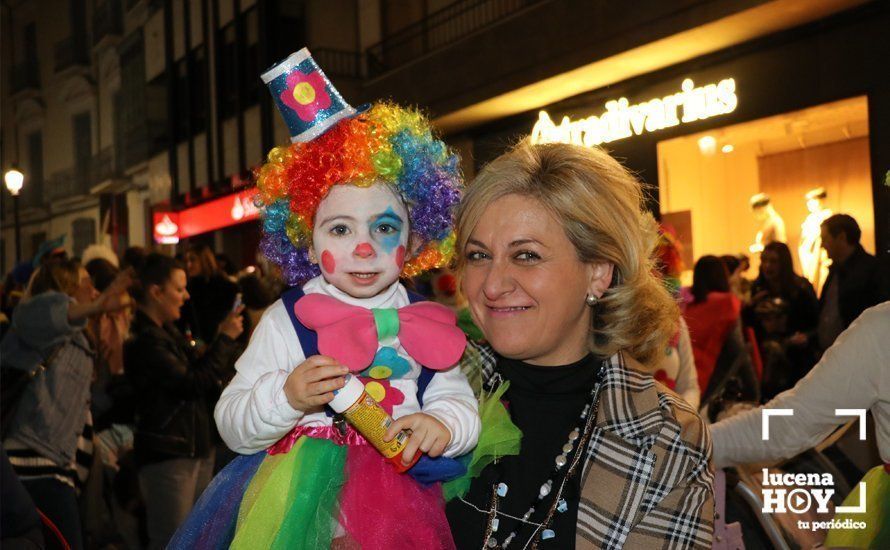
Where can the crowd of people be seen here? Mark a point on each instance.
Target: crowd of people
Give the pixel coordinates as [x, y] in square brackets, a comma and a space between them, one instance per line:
[754, 339]
[111, 369]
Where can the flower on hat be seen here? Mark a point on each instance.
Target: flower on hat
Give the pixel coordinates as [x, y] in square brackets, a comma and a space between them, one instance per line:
[306, 94]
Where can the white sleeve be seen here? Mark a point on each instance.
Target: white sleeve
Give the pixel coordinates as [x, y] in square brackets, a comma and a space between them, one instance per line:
[849, 376]
[687, 376]
[449, 399]
[253, 412]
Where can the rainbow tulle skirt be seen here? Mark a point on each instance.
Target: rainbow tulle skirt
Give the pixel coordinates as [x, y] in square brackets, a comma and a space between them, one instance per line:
[319, 489]
[319, 494]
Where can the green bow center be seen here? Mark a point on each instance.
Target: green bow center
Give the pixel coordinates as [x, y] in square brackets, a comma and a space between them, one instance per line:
[387, 322]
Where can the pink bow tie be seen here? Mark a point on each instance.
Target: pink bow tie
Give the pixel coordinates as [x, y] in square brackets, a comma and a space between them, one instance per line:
[350, 334]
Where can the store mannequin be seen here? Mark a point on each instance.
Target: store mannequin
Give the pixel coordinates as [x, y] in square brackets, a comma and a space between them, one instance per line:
[813, 259]
[772, 226]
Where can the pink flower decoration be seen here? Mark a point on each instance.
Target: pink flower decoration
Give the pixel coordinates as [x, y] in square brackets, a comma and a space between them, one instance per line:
[384, 392]
[306, 94]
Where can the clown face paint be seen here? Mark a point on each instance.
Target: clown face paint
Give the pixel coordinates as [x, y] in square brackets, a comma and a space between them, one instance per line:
[360, 238]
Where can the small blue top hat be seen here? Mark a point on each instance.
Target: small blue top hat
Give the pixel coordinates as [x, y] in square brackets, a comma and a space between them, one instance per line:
[305, 97]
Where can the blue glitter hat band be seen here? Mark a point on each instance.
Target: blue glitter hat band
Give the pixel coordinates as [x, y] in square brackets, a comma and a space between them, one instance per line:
[306, 99]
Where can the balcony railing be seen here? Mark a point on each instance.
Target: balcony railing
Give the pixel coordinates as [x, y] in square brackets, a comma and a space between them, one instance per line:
[107, 20]
[67, 183]
[339, 62]
[70, 52]
[439, 29]
[104, 166]
[141, 142]
[25, 76]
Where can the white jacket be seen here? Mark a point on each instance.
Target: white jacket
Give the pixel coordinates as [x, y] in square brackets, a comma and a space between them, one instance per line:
[854, 373]
[253, 412]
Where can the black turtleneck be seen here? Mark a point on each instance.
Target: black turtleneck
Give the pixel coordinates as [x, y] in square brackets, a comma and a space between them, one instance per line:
[546, 404]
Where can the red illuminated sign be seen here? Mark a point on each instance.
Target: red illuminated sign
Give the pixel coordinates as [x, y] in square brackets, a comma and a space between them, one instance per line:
[169, 227]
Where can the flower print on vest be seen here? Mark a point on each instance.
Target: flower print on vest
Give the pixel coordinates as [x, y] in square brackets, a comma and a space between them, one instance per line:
[306, 94]
[384, 393]
[387, 364]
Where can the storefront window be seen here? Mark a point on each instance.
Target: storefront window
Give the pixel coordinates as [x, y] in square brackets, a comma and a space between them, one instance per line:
[722, 187]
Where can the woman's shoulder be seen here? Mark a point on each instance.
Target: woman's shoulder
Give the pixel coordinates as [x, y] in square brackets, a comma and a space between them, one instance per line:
[642, 409]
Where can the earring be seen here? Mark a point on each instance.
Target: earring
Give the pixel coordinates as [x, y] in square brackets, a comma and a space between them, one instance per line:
[591, 300]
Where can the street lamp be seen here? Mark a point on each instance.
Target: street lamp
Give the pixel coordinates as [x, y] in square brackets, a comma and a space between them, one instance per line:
[14, 180]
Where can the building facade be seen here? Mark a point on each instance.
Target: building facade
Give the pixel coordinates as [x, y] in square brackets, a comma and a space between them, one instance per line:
[117, 109]
[132, 109]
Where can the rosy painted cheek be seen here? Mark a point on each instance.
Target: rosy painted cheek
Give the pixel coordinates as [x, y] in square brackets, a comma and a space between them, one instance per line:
[400, 256]
[327, 262]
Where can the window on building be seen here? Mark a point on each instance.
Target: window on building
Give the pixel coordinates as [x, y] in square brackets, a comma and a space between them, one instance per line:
[78, 13]
[230, 81]
[84, 232]
[29, 41]
[33, 192]
[191, 94]
[253, 86]
[83, 146]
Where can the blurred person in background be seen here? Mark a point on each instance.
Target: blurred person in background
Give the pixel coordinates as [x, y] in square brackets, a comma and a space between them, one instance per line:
[256, 297]
[49, 440]
[677, 367]
[227, 267]
[782, 310]
[855, 280]
[175, 392]
[212, 294]
[736, 266]
[133, 258]
[714, 320]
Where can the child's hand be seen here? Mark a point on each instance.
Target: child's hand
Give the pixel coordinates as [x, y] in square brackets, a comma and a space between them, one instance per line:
[311, 384]
[427, 434]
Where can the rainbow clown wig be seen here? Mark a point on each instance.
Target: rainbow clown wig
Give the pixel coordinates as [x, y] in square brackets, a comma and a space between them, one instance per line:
[385, 144]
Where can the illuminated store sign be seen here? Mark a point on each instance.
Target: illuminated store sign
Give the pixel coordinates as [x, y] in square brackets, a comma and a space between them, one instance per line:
[622, 120]
[169, 227]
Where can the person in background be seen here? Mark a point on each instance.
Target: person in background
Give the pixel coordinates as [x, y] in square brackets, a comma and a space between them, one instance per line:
[175, 392]
[256, 297]
[855, 279]
[677, 367]
[227, 267]
[714, 319]
[50, 441]
[133, 258]
[782, 310]
[736, 266]
[212, 294]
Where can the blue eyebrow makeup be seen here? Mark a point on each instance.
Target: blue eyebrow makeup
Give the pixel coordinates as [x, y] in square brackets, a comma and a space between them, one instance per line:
[388, 241]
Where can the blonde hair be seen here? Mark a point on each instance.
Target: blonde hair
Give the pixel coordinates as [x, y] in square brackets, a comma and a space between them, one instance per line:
[600, 206]
[58, 274]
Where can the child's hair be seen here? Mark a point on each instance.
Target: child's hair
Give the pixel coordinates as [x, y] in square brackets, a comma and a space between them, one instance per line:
[386, 144]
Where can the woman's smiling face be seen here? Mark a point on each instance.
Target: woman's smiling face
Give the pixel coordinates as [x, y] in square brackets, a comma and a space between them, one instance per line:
[360, 238]
[526, 286]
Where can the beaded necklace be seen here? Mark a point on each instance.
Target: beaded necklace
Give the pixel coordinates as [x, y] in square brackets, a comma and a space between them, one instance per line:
[572, 455]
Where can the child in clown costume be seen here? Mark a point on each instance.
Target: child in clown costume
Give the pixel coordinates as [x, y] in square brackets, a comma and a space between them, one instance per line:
[358, 200]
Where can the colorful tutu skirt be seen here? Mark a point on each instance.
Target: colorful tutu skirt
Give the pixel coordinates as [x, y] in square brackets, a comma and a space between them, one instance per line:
[317, 488]
[318, 493]
[873, 530]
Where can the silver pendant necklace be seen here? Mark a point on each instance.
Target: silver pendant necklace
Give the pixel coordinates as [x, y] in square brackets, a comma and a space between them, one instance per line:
[572, 455]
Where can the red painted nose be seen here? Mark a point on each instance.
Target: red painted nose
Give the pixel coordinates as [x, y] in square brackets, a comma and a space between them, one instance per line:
[364, 250]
